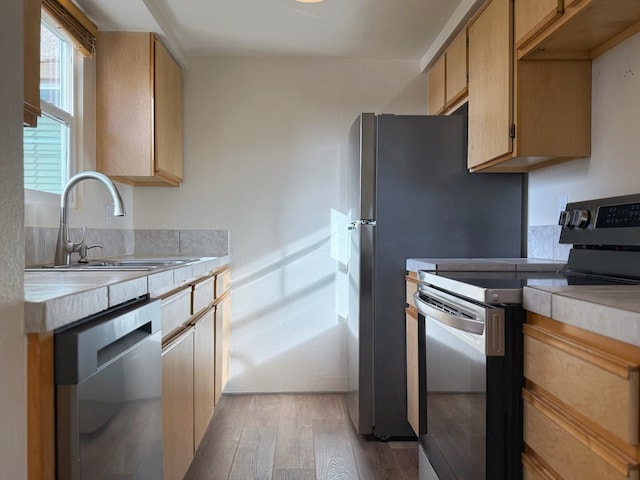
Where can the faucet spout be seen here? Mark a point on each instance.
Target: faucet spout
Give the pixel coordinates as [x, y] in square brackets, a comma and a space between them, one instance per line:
[64, 247]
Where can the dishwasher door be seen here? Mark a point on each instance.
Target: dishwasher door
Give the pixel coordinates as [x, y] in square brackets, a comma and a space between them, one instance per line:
[109, 395]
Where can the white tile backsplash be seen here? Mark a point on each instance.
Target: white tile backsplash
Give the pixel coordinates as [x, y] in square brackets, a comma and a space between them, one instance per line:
[542, 242]
[40, 242]
[213, 242]
[160, 242]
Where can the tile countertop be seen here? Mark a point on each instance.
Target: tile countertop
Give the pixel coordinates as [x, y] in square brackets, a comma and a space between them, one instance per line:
[56, 298]
[484, 264]
[612, 311]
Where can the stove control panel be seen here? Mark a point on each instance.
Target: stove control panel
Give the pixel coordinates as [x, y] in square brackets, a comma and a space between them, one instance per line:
[602, 222]
[616, 216]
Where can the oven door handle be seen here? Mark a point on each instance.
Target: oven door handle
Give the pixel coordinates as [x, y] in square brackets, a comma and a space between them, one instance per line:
[459, 323]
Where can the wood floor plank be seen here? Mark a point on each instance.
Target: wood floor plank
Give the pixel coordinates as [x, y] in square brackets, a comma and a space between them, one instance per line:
[254, 456]
[333, 453]
[407, 459]
[295, 474]
[295, 437]
[216, 451]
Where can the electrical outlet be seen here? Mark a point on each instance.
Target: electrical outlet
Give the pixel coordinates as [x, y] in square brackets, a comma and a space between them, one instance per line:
[562, 204]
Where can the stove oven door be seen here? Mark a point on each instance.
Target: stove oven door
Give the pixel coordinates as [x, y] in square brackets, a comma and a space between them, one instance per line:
[465, 395]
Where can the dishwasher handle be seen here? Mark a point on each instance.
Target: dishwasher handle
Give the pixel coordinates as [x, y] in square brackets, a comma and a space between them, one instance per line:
[83, 350]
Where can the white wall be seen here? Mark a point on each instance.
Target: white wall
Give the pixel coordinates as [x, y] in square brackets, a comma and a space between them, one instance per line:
[13, 398]
[614, 166]
[265, 148]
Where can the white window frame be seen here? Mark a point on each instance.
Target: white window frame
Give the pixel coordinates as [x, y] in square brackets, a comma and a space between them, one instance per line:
[38, 197]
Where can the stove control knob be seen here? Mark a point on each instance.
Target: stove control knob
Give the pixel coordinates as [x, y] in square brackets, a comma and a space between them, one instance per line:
[579, 219]
[565, 216]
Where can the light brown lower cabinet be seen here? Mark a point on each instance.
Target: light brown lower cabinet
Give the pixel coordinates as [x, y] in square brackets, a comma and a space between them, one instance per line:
[413, 374]
[222, 339]
[581, 404]
[413, 357]
[177, 405]
[203, 373]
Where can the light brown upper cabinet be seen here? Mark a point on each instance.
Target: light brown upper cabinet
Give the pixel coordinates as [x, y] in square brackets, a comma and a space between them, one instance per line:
[577, 29]
[522, 114]
[532, 16]
[139, 110]
[437, 82]
[448, 77]
[456, 70]
[31, 33]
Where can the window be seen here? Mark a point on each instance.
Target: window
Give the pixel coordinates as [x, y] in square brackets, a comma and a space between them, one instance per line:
[49, 148]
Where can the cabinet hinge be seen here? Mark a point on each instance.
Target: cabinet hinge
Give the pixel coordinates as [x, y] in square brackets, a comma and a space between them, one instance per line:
[512, 130]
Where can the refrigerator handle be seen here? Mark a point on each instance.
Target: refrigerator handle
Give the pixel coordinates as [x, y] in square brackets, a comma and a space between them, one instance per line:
[364, 221]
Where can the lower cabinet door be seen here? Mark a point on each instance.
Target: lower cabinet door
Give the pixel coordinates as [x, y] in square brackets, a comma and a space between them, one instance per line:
[223, 337]
[413, 374]
[204, 374]
[177, 405]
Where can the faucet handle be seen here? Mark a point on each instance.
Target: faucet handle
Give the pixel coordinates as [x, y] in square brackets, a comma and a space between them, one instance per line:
[79, 246]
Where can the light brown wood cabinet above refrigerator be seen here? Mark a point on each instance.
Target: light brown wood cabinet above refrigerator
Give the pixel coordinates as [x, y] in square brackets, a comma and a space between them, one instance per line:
[522, 114]
[529, 78]
[139, 110]
[448, 77]
[578, 29]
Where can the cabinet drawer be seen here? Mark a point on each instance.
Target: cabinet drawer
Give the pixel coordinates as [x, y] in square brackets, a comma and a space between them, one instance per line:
[600, 386]
[202, 295]
[223, 282]
[534, 469]
[568, 447]
[176, 311]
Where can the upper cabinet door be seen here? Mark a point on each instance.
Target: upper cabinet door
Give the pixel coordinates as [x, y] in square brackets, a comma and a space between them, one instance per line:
[168, 114]
[138, 110]
[490, 83]
[437, 87]
[31, 33]
[456, 69]
[532, 16]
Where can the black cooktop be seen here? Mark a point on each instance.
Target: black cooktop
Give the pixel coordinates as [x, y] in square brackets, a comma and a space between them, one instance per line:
[506, 287]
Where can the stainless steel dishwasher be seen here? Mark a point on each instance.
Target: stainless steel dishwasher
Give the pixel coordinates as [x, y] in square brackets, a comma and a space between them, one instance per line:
[109, 395]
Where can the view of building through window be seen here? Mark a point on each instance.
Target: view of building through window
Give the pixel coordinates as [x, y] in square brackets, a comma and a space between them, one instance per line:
[47, 148]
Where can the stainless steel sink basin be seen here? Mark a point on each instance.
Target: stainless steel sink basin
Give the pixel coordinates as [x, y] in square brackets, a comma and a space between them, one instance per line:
[126, 264]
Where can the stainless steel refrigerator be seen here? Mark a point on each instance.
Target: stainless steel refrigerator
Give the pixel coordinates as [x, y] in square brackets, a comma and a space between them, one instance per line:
[411, 196]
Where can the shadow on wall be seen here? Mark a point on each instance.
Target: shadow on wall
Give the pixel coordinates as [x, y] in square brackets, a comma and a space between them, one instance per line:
[288, 328]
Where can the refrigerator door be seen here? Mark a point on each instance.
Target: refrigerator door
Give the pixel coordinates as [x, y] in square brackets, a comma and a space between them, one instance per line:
[361, 172]
[427, 205]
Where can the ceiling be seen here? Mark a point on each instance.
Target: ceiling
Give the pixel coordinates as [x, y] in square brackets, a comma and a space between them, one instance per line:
[338, 28]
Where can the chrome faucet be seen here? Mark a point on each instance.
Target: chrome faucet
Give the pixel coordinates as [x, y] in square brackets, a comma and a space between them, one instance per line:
[64, 246]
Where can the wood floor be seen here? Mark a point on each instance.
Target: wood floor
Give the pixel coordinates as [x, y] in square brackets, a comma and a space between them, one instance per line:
[295, 437]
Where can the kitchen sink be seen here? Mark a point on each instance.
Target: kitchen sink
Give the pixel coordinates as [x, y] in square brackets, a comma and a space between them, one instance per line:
[120, 264]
